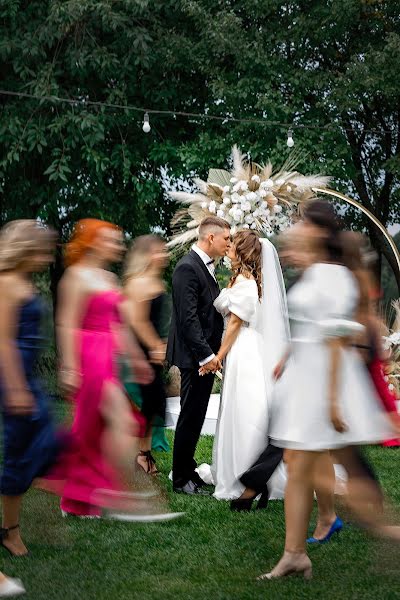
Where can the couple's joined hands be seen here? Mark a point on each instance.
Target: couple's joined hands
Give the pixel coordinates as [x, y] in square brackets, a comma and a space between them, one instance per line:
[212, 366]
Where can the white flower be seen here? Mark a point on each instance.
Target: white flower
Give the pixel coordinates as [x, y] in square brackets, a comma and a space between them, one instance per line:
[243, 186]
[227, 262]
[236, 187]
[227, 200]
[269, 183]
[238, 214]
[395, 338]
[262, 193]
[204, 204]
[212, 207]
[256, 212]
[220, 214]
[280, 181]
[246, 206]
[236, 198]
[226, 189]
[277, 208]
[253, 226]
[256, 178]
[251, 196]
[386, 342]
[233, 179]
[233, 229]
[288, 188]
[246, 226]
[232, 211]
[249, 219]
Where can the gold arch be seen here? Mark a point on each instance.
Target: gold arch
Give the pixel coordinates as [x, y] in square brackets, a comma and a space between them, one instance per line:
[369, 214]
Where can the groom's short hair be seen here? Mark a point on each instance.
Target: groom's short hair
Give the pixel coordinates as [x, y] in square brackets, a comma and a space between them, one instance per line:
[210, 224]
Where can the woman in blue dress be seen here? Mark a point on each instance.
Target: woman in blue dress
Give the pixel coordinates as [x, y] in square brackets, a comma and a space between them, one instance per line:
[29, 440]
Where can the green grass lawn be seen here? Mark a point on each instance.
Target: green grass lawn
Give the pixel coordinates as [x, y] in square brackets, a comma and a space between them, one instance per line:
[209, 554]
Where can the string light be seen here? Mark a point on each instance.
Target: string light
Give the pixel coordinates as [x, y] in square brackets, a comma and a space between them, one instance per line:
[146, 123]
[290, 140]
[84, 102]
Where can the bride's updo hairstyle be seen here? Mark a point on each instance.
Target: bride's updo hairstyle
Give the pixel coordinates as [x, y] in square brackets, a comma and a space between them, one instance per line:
[321, 214]
[247, 247]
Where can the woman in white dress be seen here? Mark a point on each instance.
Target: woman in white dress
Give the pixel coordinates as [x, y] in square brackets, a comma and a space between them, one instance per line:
[323, 399]
[249, 357]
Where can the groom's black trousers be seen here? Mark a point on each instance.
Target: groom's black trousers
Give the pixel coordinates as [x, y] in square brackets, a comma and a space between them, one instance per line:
[256, 478]
[195, 394]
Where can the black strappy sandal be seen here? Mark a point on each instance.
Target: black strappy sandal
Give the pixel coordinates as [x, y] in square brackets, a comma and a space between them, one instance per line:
[150, 462]
[4, 535]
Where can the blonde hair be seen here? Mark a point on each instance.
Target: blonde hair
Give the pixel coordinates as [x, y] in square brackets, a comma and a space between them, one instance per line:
[138, 258]
[20, 239]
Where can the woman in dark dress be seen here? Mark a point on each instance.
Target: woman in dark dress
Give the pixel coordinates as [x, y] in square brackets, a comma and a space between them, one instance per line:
[145, 290]
[30, 443]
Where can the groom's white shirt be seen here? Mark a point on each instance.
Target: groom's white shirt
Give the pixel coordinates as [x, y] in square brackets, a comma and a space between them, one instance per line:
[206, 260]
[210, 266]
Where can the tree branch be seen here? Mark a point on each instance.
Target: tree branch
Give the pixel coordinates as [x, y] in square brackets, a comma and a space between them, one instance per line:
[359, 179]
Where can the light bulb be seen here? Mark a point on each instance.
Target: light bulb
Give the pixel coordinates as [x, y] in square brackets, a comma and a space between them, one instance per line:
[290, 140]
[146, 123]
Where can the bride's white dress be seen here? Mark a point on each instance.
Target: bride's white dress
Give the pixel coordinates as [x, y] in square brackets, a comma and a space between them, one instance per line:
[242, 429]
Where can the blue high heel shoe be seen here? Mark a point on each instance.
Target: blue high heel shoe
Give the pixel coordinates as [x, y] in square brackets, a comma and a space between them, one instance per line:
[336, 527]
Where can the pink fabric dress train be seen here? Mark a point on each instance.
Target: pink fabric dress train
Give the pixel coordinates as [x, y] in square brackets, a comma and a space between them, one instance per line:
[87, 468]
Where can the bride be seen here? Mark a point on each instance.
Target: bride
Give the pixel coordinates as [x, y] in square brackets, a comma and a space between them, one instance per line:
[254, 307]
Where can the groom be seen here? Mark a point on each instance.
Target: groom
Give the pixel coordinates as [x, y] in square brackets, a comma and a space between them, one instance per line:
[194, 338]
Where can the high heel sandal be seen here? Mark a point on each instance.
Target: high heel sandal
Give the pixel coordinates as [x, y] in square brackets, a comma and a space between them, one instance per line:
[336, 527]
[4, 535]
[150, 462]
[291, 563]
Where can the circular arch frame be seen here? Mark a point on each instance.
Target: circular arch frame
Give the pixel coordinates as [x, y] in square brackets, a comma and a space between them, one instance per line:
[368, 214]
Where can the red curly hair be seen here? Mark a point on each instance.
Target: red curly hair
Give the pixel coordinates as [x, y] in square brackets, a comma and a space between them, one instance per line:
[83, 235]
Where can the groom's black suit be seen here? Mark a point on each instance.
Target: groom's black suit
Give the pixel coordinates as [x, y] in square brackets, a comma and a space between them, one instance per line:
[195, 334]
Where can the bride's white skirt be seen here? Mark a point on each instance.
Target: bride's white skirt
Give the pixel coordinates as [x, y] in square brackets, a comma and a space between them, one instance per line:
[242, 428]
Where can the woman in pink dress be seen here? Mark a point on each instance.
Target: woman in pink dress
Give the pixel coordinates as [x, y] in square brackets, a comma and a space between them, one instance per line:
[90, 335]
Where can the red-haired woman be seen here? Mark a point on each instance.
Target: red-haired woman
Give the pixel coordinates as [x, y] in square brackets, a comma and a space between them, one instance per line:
[90, 333]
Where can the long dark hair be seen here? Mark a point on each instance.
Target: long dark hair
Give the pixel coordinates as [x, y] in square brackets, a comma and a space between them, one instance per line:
[322, 214]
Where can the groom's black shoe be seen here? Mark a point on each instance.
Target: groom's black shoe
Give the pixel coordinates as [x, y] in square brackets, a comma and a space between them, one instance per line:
[190, 488]
[198, 480]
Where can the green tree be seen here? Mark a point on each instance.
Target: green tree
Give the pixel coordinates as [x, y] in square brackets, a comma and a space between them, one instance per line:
[329, 64]
[61, 162]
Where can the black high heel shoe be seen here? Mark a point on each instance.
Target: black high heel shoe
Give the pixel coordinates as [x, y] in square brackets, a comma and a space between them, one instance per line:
[242, 505]
[263, 501]
[245, 504]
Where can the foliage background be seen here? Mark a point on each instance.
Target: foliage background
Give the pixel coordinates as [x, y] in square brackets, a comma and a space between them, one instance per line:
[330, 65]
